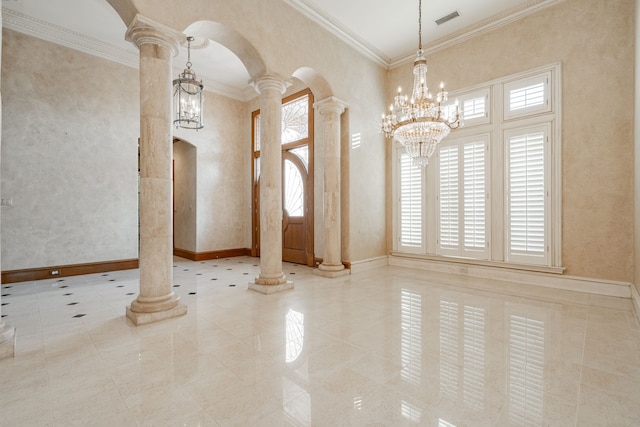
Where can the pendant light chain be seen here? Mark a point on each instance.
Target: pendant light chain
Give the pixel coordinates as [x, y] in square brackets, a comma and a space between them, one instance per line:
[189, 39]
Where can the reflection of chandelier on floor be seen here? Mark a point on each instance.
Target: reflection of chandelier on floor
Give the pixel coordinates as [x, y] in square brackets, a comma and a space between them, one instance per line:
[420, 123]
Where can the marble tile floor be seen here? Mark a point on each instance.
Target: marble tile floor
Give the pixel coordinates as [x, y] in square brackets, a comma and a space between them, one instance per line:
[386, 347]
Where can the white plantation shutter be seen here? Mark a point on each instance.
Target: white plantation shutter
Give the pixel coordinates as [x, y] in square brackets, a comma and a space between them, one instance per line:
[527, 96]
[474, 108]
[462, 198]
[527, 204]
[448, 197]
[410, 207]
[474, 195]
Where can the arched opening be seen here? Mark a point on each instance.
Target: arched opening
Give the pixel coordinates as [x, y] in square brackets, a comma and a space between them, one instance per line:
[184, 183]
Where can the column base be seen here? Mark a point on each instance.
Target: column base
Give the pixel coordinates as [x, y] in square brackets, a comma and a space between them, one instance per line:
[270, 289]
[142, 318]
[331, 271]
[7, 342]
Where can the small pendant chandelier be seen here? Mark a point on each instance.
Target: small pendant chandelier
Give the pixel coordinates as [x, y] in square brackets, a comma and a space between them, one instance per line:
[188, 97]
[420, 123]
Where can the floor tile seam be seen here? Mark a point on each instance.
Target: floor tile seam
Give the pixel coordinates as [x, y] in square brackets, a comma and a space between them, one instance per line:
[602, 367]
[582, 364]
[487, 290]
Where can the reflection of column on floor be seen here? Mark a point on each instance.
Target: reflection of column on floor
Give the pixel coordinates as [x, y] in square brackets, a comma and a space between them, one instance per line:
[156, 300]
[271, 278]
[7, 333]
[7, 340]
[330, 110]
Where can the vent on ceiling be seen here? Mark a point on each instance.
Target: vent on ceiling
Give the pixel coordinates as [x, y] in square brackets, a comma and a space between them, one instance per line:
[447, 18]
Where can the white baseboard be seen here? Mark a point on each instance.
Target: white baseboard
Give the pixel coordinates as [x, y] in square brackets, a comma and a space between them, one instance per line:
[368, 264]
[554, 281]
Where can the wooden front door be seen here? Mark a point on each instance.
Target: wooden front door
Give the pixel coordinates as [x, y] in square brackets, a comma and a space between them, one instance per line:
[295, 209]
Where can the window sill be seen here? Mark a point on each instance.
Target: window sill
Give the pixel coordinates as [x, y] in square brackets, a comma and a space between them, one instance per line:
[468, 261]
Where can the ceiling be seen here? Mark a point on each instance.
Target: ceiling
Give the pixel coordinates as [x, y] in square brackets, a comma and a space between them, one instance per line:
[385, 31]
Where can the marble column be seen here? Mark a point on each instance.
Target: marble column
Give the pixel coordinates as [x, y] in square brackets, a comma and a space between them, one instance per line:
[271, 278]
[156, 300]
[7, 333]
[330, 110]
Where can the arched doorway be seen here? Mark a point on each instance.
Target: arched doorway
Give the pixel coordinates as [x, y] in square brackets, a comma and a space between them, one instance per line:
[184, 180]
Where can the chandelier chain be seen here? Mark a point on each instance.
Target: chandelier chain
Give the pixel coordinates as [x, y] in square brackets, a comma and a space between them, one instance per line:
[419, 123]
[420, 24]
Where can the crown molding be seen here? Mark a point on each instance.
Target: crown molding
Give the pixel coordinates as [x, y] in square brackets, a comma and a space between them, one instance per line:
[482, 27]
[38, 28]
[340, 31]
[43, 30]
[485, 26]
[19, 22]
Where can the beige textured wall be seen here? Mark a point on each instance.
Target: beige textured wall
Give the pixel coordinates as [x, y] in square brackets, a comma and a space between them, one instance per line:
[70, 125]
[286, 41]
[636, 183]
[223, 215]
[184, 195]
[593, 40]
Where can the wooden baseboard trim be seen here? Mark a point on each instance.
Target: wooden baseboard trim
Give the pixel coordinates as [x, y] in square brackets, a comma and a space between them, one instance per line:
[203, 256]
[51, 272]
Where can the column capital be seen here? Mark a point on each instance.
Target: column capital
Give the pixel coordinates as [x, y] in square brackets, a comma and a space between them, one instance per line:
[143, 30]
[269, 81]
[330, 105]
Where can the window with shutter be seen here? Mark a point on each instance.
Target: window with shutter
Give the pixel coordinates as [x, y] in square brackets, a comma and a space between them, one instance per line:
[493, 190]
[474, 106]
[527, 96]
[474, 195]
[448, 198]
[527, 197]
[462, 192]
[410, 206]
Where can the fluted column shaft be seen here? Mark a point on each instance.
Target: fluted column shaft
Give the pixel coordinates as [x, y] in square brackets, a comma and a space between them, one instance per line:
[271, 278]
[156, 300]
[7, 333]
[330, 110]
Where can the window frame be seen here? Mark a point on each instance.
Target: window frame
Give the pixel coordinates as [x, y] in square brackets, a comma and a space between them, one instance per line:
[495, 126]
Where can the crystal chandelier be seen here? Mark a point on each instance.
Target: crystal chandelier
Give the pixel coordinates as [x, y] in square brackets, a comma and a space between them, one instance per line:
[419, 123]
[188, 97]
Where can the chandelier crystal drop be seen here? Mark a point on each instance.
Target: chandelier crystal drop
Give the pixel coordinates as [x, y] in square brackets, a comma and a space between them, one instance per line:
[419, 123]
[188, 97]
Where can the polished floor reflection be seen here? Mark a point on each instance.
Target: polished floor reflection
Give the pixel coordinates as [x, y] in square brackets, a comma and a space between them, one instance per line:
[386, 347]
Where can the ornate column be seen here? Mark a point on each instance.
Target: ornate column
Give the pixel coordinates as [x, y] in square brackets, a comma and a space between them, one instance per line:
[330, 110]
[156, 300]
[7, 333]
[271, 278]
